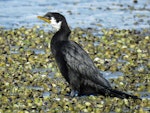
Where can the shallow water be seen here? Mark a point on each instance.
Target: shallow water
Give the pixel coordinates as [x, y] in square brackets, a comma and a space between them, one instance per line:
[111, 75]
[122, 14]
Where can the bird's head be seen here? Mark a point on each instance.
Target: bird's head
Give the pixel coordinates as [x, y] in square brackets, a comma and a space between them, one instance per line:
[55, 19]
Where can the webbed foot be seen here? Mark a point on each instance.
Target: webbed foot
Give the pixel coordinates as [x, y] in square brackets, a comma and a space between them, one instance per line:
[74, 93]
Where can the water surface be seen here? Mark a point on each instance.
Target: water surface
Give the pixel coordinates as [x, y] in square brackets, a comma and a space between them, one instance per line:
[97, 14]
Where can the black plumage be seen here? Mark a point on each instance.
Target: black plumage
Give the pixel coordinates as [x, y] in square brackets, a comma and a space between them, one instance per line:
[75, 64]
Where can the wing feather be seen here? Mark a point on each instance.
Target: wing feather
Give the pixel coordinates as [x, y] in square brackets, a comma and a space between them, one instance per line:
[78, 60]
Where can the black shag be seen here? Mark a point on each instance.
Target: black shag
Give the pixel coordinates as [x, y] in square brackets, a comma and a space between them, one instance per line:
[75, 64]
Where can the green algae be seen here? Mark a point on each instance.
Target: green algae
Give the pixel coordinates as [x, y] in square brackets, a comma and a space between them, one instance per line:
[28, 69]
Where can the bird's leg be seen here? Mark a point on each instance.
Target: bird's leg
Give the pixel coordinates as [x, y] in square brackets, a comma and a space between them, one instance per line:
[74, 93]
[74, 83]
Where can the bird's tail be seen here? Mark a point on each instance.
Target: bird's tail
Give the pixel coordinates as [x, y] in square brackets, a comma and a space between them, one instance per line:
[120, 94]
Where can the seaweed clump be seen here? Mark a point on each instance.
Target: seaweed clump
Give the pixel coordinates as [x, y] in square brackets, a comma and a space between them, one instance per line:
[31, 82]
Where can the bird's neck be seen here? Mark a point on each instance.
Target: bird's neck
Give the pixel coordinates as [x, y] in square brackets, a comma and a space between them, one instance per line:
[62, 34]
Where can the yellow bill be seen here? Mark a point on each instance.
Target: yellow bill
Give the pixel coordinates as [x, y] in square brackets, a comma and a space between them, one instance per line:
[43, 18]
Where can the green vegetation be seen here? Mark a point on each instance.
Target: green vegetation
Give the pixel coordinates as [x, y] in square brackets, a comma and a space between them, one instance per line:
[31, 82]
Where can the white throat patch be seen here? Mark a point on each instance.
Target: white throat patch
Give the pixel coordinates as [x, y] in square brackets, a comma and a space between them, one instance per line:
[55, 24]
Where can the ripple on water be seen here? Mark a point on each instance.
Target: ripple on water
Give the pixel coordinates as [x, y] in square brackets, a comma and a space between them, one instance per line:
[84, 14]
